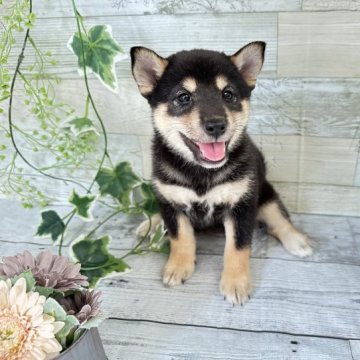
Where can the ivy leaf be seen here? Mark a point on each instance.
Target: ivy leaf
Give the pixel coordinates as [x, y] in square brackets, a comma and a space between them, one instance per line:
[150, 204]
[117, 182]
[83, 204]
[81, 125]
[101, 52]
[29, 279]
[51, 225]
[95, 259]
[158, 242]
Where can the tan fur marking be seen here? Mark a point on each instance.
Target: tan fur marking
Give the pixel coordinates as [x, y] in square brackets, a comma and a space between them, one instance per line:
[181, 262]
[221, 82]
[228, 193]
[170, 128]
[235, 282]
[238, 121]
[280, 227]
[189, 84]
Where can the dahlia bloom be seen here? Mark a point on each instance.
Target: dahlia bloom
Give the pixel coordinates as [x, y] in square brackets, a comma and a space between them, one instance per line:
[51, 271]
[83, 305]
[25, 332]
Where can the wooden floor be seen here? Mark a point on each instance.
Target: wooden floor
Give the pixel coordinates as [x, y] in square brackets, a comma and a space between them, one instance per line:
[300, 308]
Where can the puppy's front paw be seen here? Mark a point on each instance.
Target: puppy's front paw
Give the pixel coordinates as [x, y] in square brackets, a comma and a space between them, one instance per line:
[236, 288]
[177, 270]
[297, 244]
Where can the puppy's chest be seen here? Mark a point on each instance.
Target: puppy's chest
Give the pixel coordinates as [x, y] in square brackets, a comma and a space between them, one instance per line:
[207, 208]
[203, 214]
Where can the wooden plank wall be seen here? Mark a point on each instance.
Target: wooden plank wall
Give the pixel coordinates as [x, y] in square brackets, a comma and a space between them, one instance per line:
[305, 109]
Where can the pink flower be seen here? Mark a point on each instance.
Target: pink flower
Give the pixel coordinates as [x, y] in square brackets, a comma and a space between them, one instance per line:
[49, 270]
[83, 305]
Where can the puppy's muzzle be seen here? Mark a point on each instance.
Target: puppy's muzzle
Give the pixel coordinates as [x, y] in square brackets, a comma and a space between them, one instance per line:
[215, 127]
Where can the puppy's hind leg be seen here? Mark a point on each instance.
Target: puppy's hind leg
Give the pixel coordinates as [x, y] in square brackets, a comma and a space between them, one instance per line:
[273, 213]
[146, 228]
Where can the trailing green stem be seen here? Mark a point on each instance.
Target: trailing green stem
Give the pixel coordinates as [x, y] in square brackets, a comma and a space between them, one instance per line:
[79, 24]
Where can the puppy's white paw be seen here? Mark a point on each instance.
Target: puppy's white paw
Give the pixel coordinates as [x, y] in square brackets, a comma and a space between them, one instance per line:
[297, 244]
[177, 271]
[236, 288]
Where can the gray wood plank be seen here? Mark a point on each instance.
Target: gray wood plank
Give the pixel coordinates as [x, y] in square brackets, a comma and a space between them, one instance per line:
[122, 147]
[143, 340]
[121, 228]
[320, 198]
[146, 7]
[333, 238]
[319, 44]
[297, 297]
[355, 349]
[326, 5]
[296, 158]
[357, 172]
[354, 225]
[306, 106]
[165, 34]
[309, 107]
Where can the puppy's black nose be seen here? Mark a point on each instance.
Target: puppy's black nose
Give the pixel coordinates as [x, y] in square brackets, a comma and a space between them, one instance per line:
[215, 127]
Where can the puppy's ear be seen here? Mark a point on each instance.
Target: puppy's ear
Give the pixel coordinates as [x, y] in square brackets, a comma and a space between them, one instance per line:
[147, 68]
[249, 61]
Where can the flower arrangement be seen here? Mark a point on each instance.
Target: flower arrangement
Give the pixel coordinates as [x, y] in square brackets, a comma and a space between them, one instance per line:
[45, 305]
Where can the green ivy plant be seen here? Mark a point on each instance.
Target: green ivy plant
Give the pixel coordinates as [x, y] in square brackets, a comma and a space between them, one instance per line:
[117, 186]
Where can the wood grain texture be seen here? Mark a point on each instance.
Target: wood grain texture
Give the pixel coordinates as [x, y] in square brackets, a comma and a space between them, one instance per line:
[293, 297]
[319, 44]
[357, 172]
[147, 7]
[127, 340]
[306, 106]
[293, 301]
[311, 107]
[298, 197]
[355, 349]
[304, 298]
[121, 147]
[335, 239]
[165, 34]
[326, 5]
[321, 199]
[298, 159]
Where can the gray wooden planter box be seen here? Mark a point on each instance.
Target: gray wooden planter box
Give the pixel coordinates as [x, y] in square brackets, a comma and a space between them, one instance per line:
[87, 347]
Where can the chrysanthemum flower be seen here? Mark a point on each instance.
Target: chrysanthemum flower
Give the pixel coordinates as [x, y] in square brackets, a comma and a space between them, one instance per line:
[84, 305]
[25, 332]
[49, 270]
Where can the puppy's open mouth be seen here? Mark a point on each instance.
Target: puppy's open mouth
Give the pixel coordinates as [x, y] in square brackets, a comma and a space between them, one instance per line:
[210, 152]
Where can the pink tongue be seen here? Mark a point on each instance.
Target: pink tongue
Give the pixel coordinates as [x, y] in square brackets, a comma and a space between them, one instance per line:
[212, 151]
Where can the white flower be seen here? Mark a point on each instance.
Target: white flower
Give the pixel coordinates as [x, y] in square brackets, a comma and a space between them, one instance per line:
[25, 332]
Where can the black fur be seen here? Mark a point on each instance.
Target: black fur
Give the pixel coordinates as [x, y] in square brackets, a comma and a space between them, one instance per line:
[244, 160]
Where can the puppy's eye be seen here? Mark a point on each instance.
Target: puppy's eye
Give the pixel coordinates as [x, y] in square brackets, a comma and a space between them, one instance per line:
[227, 95]
[184, 98]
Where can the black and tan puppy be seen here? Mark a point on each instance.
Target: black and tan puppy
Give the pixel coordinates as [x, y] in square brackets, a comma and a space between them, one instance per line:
[206, 169]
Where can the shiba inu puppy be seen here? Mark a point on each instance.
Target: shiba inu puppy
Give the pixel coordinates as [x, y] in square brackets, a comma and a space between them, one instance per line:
[206, 169]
